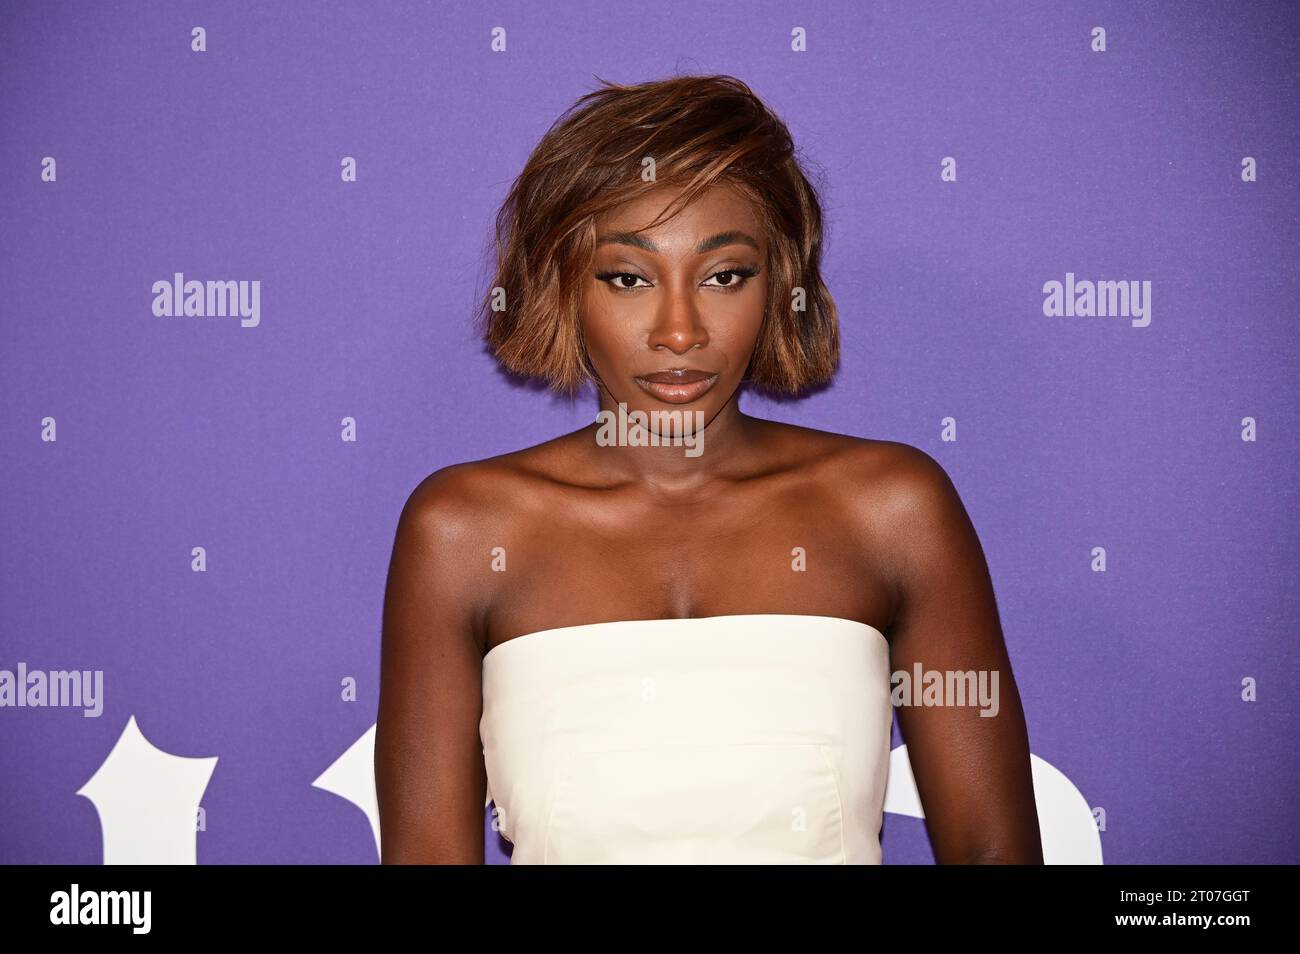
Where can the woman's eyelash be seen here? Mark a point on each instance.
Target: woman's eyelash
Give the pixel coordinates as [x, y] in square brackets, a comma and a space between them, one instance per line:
[745, 273]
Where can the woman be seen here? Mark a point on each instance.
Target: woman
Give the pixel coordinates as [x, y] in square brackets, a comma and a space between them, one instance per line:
[658, 650]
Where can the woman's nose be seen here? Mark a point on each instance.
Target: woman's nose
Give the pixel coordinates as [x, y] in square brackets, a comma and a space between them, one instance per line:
[678, 325]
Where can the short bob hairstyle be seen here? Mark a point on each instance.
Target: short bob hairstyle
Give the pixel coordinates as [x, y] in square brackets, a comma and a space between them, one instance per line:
[699, 130]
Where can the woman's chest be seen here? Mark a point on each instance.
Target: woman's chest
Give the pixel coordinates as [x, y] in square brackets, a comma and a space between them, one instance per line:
[581, 568]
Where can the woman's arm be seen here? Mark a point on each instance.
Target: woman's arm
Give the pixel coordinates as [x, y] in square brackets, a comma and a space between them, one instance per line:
[972, 771]
[429, 773]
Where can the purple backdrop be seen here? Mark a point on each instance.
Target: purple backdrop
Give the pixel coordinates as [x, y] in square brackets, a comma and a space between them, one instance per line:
[129, 156]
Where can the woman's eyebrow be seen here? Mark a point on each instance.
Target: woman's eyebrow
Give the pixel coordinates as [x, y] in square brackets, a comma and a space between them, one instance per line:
[709, 244]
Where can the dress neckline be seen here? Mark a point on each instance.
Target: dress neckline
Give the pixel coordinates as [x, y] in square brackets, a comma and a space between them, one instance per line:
[678, 620]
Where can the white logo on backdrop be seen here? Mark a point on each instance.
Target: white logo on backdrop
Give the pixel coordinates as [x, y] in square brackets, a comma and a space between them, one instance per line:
[148, 800]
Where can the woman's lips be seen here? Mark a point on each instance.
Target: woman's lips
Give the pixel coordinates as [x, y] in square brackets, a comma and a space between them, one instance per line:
[677, 387]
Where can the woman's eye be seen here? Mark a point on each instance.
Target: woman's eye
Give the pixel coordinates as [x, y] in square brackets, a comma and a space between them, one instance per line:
[729, 279]
[735, 278]
[616, 280]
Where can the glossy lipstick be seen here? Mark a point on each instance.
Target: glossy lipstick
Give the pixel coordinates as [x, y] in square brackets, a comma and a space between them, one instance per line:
[677, 385]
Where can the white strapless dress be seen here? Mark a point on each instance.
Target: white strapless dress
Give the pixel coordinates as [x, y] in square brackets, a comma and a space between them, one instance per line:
[753, 739]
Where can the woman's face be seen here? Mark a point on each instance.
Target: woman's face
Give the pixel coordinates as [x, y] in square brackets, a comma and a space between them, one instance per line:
[671, 315]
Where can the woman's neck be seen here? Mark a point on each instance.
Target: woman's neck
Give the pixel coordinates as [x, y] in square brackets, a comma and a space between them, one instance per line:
[628, 446]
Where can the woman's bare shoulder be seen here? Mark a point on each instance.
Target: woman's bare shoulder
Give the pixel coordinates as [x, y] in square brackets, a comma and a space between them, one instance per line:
[455, 520]
[894, 471]
[908, 506]
[849, 455]
[888, 483]
[489, 490]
